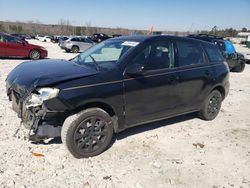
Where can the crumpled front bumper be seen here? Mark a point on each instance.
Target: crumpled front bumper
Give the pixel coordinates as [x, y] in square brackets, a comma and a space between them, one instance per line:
[42, 122]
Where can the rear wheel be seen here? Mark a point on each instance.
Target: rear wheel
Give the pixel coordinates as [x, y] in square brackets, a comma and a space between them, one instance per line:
[75, 49]
[34, 54]
[211, 106]
[87, 133]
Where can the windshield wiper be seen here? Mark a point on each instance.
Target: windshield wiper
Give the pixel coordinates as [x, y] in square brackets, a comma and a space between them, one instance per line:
[94, 61]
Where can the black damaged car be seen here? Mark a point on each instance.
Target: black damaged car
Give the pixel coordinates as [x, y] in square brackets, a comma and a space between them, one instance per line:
[119, 83]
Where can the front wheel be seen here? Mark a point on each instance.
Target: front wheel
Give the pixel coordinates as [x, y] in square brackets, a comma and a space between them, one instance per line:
[34, 54]
[87, 133]
[75, 49]
[211, 106]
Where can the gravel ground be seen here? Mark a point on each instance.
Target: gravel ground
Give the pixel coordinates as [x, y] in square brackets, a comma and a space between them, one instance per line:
[179, 152]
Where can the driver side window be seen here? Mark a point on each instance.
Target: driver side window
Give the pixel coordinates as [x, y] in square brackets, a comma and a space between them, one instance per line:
[10, 39]
[158, 55]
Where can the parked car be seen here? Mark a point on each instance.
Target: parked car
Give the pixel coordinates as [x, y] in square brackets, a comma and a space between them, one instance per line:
[99, 37]
[15, 47]
[20, 36]
[55, 39]
[62, 40]
[117, 84]
[235, 60]
[248, 42]
[116, 35]
[246, 57]
[45, 39]
[38, 37]
[76, 44]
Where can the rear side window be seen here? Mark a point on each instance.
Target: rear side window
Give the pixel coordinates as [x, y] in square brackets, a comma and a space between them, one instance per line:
[214, 54]
[189, 53]
[75, 39]
[10, 39]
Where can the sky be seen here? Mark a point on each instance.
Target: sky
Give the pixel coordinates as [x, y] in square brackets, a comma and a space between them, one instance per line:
[164, 15]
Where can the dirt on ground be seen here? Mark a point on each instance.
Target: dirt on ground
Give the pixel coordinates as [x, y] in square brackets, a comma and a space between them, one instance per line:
[179, 152]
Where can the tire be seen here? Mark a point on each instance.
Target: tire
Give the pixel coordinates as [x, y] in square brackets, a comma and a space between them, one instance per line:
[75, 49]
[211, 106]
[34, 54]
[240, 67]
[66, 50]
[87, 133]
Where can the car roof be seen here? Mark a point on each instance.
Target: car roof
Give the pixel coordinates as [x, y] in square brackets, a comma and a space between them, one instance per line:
[6, 34]
[142, 38]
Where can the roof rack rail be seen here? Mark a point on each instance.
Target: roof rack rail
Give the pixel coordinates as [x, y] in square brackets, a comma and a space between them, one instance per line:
[207, 35]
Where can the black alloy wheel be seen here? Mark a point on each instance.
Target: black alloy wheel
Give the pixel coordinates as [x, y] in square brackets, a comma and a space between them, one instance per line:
[87, 133]
[211, 106]
[90, 134]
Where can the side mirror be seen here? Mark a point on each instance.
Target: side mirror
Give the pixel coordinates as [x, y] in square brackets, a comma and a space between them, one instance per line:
[135, 69]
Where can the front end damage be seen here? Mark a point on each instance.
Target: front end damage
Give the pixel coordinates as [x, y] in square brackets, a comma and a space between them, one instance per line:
[31, 86]
[42, 122]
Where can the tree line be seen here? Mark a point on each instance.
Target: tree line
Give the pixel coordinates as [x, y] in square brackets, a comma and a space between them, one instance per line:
[64, 27]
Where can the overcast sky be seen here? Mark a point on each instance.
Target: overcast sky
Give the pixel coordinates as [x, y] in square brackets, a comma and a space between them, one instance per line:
[174, 15]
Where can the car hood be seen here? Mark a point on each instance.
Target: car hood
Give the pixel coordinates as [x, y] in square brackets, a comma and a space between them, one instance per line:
[34, 46]
[28, 75]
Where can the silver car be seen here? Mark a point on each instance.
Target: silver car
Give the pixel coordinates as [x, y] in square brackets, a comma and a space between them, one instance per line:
[76, 44]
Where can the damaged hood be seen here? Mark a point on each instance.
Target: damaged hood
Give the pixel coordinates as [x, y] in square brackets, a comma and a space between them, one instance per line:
[28, 75]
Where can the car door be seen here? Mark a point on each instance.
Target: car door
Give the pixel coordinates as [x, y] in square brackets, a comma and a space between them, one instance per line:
[14, 47]
[84, 44]
[151, 94]
[3, 46]
[195, 75]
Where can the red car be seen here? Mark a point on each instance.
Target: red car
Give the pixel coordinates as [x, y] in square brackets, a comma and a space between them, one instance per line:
[14, 47]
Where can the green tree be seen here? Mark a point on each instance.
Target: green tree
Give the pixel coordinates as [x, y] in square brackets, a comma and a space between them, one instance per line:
[78, 30]
[19, 29]
[244, 29]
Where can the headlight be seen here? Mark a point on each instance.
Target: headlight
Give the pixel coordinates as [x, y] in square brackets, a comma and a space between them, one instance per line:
[45, 93]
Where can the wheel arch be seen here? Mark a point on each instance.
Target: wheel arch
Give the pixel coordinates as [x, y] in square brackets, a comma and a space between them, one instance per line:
[221, 89]
[75, 46]
[102, 105]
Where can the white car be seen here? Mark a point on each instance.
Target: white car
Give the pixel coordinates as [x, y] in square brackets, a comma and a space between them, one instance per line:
[45, 39]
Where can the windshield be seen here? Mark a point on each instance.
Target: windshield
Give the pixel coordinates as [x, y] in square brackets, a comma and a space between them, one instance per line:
[105, 54]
